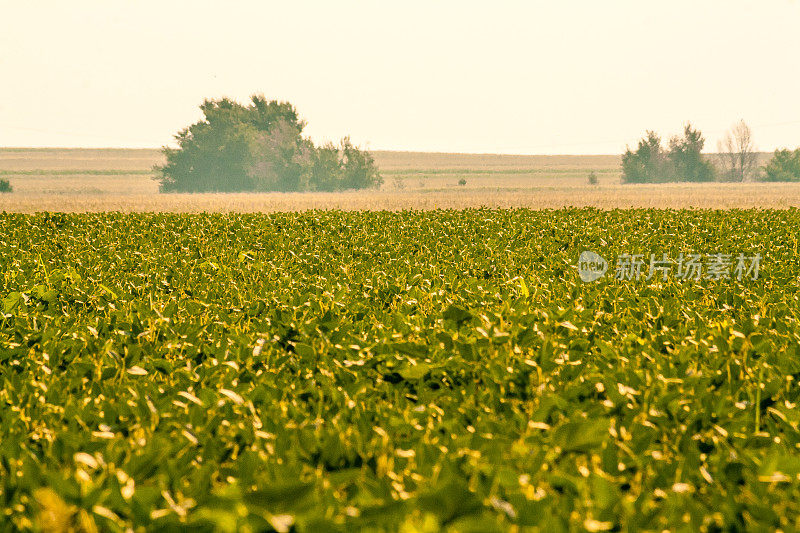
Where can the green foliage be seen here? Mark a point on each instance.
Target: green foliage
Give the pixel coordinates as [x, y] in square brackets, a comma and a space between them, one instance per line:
[462, 182]
[686, 157]
[385, 371]
[684, 160]
[5, 186]
[333, 168]
[592, 178]
[259, 147]
[784, 166]
[647, 164]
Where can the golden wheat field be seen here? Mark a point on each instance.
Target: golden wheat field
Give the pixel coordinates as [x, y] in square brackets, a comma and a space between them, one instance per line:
[75, 180]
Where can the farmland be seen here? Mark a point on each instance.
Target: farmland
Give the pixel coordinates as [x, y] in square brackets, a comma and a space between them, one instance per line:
[395, 370]
[81, 180]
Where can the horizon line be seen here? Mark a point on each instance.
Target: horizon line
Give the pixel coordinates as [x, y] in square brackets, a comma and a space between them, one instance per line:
[430, 152]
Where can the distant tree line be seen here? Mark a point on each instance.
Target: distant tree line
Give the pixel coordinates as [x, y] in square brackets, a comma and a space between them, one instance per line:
[682, 159]
[260, 147]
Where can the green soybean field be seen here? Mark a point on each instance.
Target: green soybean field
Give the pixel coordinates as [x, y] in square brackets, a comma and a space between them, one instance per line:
[445, 370]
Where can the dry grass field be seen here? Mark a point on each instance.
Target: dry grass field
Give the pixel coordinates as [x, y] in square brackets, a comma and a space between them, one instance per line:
[75, 180]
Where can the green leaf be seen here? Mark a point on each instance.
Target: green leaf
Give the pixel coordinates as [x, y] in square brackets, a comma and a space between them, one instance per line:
[457, 314]
[581, 435]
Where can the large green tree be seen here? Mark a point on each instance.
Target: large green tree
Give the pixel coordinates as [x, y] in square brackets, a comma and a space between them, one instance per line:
[259, 147]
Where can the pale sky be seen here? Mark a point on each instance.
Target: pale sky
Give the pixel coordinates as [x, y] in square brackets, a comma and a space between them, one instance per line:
[488, 77]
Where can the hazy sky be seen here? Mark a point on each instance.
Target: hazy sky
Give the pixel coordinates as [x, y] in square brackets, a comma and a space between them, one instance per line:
[499, 77]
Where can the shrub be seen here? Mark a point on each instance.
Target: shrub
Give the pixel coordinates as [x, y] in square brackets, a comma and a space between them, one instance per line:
[592, 178]
[5, 186]
[335, 168]
[462, 182]
[358, 169]
[259, 147]
[784, 166]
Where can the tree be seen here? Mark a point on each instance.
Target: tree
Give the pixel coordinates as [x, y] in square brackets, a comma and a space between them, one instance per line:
[219, 152]
[784, 166]
[333, 168]
[686, 157]
[683, 161]
[279, 159]
[737, 154]
[259, 147]
[647, 164]
[358, 167]
[5, 186]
